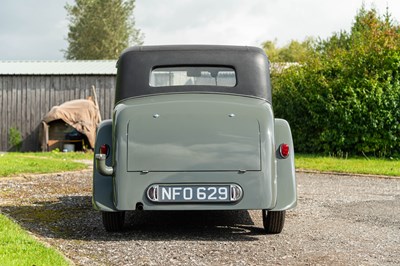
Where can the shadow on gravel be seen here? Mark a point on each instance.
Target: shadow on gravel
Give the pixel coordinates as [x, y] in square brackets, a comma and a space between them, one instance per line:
[73, 218]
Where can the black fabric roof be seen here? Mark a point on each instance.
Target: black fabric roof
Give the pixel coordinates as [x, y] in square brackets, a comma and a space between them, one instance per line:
[136, 63]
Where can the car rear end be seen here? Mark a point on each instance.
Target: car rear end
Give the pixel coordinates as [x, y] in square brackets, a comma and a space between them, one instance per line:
[194, 152]
[193, 129]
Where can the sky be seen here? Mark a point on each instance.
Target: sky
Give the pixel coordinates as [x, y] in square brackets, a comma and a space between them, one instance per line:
[37, 29]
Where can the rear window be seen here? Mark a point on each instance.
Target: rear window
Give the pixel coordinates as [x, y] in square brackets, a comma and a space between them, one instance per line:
[193, 76]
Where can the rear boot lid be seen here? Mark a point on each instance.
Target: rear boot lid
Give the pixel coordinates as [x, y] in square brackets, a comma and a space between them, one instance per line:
[201, 138]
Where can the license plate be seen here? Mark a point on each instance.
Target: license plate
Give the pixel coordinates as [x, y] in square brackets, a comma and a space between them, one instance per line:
[194, 193]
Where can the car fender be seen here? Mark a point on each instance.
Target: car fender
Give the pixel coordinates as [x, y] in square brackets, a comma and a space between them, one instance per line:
[103, 185]
[286, 174]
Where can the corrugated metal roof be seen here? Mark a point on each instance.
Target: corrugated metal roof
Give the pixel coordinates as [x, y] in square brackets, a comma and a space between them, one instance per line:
[68, 67]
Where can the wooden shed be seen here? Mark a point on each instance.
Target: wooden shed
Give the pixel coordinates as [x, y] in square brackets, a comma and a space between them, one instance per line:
[29, 89]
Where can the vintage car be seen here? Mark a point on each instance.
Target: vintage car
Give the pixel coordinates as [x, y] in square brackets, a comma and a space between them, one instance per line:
[193, 129]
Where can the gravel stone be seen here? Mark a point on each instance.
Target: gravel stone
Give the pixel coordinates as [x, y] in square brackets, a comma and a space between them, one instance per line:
[339, 220]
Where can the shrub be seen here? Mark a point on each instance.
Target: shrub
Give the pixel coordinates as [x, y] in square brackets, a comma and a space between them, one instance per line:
[14, 138]
[346, 96]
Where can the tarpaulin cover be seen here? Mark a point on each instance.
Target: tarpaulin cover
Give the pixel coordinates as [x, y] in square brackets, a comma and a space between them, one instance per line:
[83, 115]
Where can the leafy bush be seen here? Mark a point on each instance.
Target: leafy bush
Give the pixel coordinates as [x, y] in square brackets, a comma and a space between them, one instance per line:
[14, 138]
[346, 96]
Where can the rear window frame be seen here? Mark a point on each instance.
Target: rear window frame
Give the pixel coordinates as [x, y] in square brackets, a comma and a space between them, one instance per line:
[182, 68]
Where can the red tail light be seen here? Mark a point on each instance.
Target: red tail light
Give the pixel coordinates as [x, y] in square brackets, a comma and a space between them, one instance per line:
[105, 149]
[284, 150]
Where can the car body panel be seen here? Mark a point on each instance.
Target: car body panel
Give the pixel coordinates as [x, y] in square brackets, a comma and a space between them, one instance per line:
[103, 185]
[207, 136]
[286, 172]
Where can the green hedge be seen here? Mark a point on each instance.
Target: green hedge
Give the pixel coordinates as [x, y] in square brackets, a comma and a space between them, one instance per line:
[345, 98]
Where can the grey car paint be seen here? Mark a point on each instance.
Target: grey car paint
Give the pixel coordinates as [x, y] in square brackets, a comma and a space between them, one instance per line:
[243, 129]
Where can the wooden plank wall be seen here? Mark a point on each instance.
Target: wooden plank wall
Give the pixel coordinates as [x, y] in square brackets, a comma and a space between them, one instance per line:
[24, 100]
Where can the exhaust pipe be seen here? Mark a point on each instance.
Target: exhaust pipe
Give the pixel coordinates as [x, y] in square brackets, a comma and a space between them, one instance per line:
[139, 206]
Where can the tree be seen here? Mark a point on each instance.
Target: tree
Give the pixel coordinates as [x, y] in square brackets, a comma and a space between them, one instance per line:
[295, 51]
[345, 98]
[101, 29]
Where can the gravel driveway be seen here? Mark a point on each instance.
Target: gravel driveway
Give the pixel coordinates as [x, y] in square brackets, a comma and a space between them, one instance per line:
[340, 220]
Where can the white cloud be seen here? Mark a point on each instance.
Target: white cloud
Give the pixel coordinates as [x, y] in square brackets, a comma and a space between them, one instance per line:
[247, 22]
[36, 29]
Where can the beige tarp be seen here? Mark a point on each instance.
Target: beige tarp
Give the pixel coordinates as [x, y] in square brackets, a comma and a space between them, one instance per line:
[83, 115]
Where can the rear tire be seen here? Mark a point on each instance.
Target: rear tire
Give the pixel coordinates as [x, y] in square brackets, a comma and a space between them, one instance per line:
[113, 221]
[273, 221]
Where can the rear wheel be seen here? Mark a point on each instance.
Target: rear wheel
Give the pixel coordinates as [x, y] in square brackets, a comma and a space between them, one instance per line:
[273, 221]
[113, 221]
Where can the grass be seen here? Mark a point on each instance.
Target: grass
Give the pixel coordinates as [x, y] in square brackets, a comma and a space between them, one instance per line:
[17, 247]
[356, 165]
[12, 164]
